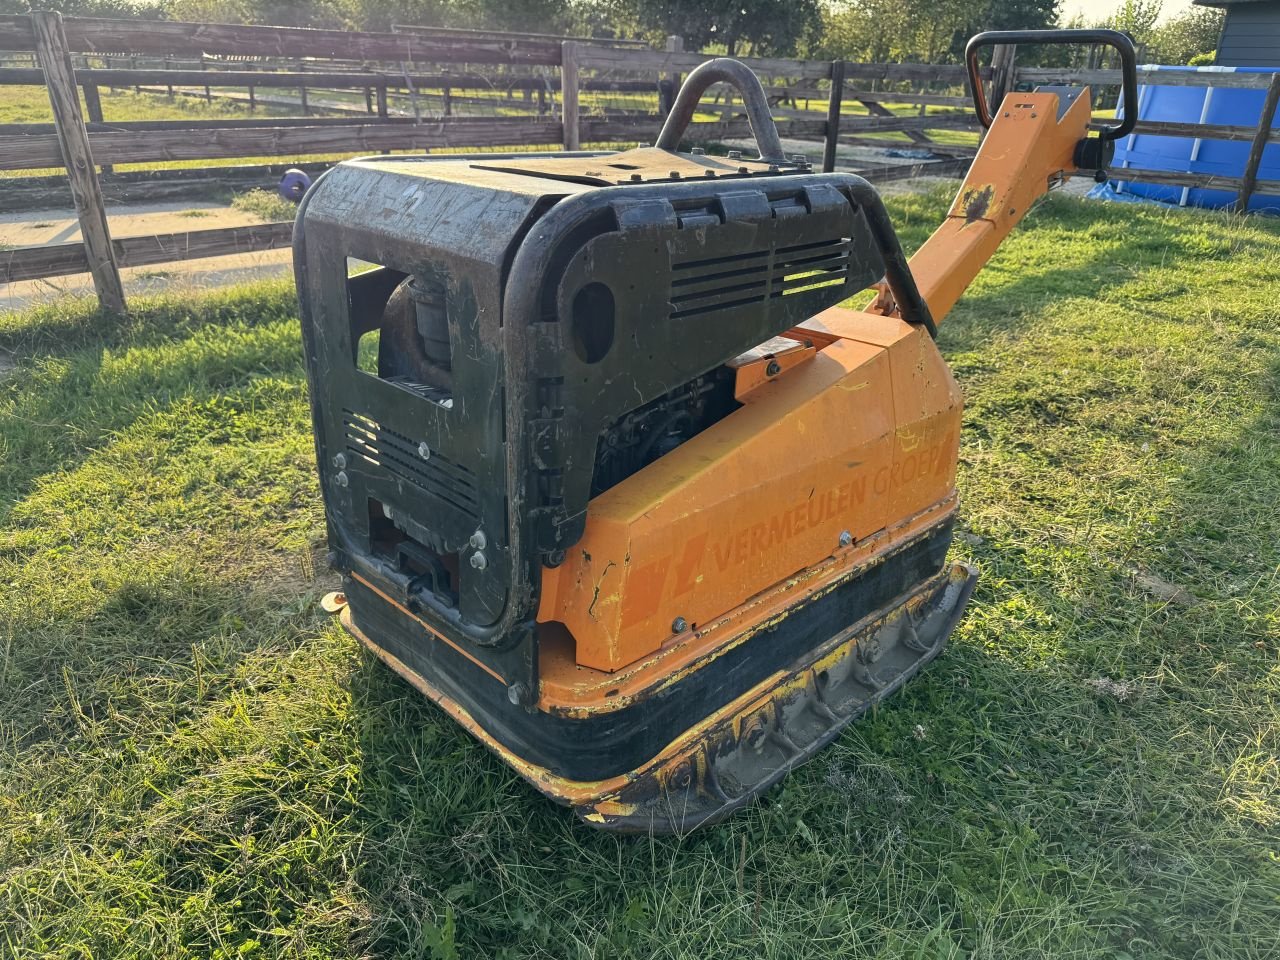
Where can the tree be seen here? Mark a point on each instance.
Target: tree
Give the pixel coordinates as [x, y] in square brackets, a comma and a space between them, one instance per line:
[1188, 37]
[1137, 18]
[140, 9]
[737, 26]
[927, 31]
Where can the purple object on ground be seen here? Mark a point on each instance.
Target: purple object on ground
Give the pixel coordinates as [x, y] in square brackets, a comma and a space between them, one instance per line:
[294, 184]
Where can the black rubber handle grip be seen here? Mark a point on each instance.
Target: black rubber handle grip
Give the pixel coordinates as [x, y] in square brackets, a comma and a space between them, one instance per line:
[1112, 38]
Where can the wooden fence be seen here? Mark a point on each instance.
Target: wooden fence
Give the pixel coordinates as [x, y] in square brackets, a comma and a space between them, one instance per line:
[415, 84]
[421, 89]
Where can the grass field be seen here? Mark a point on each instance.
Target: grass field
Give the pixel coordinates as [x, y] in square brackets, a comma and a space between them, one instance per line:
[194, 762]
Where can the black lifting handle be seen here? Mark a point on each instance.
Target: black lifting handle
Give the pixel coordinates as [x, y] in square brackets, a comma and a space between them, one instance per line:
[724, 70]
[1112, 38]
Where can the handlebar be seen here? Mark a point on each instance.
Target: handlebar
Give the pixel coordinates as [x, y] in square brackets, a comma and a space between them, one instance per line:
[739, 75]
[1112, 38]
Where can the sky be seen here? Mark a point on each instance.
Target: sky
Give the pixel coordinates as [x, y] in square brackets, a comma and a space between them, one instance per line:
[1097, 9]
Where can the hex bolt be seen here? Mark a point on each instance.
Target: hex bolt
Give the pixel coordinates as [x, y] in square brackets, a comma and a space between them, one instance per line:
[517, 693]
[773, 369]
[735, 154]
[424, 451]
[744, 169]
[342, 478]
[478, 540]
[698, 152]
[846, 538]
[478, 561]
[636, 177]
[675, 174]
[340, 461]
[679, 625]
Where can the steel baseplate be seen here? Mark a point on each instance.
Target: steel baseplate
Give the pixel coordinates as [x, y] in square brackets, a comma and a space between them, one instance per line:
[723, 761]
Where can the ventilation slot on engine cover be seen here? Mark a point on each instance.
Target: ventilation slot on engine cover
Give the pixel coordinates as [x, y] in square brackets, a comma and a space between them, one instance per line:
[724, 283]
[400, 457]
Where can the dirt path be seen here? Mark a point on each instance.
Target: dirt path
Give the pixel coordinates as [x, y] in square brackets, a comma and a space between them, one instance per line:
[34, 228]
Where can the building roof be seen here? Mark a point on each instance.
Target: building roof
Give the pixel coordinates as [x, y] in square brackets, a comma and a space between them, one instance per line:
[1228, 3]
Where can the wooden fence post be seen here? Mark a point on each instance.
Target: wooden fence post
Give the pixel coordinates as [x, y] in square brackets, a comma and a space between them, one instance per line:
[60, 81]
[569, 93]
[92, 102]
[1260, 140]
[1002, 56]
[834, 102]
[93, 106]
[675, 44]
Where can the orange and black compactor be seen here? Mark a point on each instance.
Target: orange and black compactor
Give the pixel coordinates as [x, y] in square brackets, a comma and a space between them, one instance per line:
[610, 474]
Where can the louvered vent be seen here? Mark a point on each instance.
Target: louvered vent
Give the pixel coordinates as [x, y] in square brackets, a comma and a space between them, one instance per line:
[723, 283]
[398, 455]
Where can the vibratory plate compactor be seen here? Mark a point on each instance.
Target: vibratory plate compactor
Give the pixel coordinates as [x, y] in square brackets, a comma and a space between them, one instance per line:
[610, 475]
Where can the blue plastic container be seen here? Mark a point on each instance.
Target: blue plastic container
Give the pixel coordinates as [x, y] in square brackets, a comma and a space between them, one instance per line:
[1209, 105]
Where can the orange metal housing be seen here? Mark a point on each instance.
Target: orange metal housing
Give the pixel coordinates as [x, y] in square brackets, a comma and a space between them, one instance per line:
[855, 434]
[862, 435]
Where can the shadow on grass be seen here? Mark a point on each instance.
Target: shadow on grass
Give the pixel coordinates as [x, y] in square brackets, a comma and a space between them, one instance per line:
[84, 377]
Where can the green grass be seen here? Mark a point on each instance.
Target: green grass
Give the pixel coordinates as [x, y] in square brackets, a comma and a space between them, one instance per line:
[266, 205]
[194, 762]
[31, 105]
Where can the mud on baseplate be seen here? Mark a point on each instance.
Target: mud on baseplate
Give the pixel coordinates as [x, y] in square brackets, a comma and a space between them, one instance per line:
[611, 475]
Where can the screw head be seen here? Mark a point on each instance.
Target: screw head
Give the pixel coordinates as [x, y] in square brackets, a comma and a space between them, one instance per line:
[698, 152]
[342, 478]
[735, 154]
[478, 561]
[636, 178]
[675, 174]
[340, 461]
[846, 538]
[679, 625]
[424, 451]
[773, 369]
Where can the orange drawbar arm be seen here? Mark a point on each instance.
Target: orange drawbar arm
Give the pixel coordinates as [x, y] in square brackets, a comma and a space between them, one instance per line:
[1028, 149]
